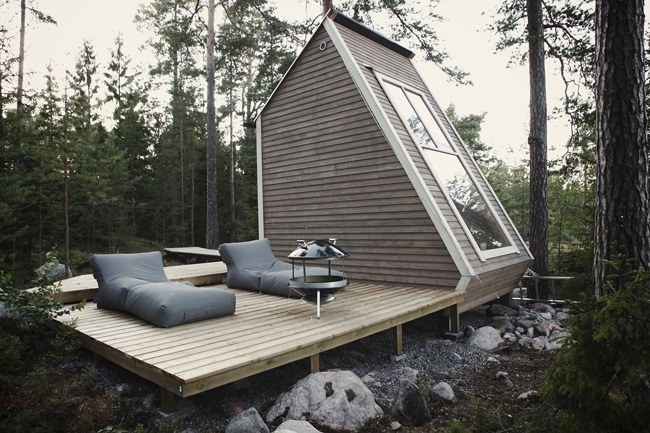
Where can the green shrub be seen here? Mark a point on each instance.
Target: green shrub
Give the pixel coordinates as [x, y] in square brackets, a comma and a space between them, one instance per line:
[600, 380]
[38, 305]
[11, 354]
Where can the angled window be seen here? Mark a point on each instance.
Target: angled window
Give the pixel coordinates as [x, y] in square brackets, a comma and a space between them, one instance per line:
[466, 199]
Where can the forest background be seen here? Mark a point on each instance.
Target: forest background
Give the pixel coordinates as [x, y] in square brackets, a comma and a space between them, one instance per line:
[118, 148]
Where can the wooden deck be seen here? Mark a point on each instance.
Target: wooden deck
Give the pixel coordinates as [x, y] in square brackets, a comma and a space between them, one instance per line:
[194, 253]
[265, 332]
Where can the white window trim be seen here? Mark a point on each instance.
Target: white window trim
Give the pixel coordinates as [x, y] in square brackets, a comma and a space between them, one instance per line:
[482, 254]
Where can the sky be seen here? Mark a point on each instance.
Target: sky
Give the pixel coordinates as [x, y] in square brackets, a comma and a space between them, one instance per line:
[499, 91]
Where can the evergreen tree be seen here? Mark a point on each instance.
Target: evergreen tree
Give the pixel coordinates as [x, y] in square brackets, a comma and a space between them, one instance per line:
[410, 23]
[96, 167]
[622, 188]
[49, 130]
[546, 29]
[177, 44]
[469, 129]
[253, 56]
[131, 137]
[19, 224]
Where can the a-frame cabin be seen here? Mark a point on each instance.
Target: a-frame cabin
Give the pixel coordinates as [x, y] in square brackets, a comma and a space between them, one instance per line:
[352, 145]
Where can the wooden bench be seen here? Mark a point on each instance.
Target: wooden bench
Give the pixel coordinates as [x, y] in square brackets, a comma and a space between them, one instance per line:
[84, 287]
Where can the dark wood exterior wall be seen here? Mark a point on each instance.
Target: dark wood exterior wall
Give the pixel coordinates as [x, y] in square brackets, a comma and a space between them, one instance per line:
[328, 171]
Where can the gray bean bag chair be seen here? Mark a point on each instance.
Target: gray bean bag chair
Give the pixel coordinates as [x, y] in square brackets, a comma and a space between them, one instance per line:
[137, 284]
[252, 266]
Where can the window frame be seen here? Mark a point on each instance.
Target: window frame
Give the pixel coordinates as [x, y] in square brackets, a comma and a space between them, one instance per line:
[448, 148]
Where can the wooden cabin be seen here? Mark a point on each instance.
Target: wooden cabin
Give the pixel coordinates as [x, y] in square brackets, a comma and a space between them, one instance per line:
[352, 145]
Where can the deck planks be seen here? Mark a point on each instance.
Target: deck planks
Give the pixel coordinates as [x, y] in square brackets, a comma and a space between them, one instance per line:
[265, 332]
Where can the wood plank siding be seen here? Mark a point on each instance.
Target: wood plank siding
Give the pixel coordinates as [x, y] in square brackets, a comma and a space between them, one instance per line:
[492, 285]
[511, 267]
[329, 168]
[330, 173]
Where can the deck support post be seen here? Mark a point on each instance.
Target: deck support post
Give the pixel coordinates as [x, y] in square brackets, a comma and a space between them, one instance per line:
[454, 319]
[398, 349]
[167, 401]
[314, 363]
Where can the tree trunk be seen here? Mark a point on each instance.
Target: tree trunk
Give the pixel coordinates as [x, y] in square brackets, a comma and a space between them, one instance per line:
[622, 207]
[327, 5]
[233, 210]
[537, 141]
[212, 222]
[192, 194]
[2, 116]
[21, 60]
[66, 183]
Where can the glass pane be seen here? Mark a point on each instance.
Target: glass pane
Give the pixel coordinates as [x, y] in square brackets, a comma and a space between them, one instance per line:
[408, 115]
[468, 200]
[429, 121]
[464, 194]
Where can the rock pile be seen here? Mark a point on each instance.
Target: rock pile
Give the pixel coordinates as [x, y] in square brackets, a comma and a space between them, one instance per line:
[538, 326]
[347, 400]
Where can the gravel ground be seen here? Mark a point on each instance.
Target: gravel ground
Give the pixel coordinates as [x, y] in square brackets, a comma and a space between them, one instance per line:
[469, 370]
[435, 358]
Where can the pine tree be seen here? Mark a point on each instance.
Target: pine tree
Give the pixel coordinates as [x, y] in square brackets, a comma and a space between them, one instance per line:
[177, 43]
[622, 189]
[131, 136]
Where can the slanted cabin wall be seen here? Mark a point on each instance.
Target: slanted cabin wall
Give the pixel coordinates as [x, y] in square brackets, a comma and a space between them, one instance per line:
[328, 171]
[492, 285]
[390, 64]
[495, 276]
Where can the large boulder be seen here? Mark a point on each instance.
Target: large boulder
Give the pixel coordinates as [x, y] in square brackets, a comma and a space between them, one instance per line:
[410, 406]
[500, 310]
[56, 272]
[444, 391]
[487, 338]
[338, 400]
